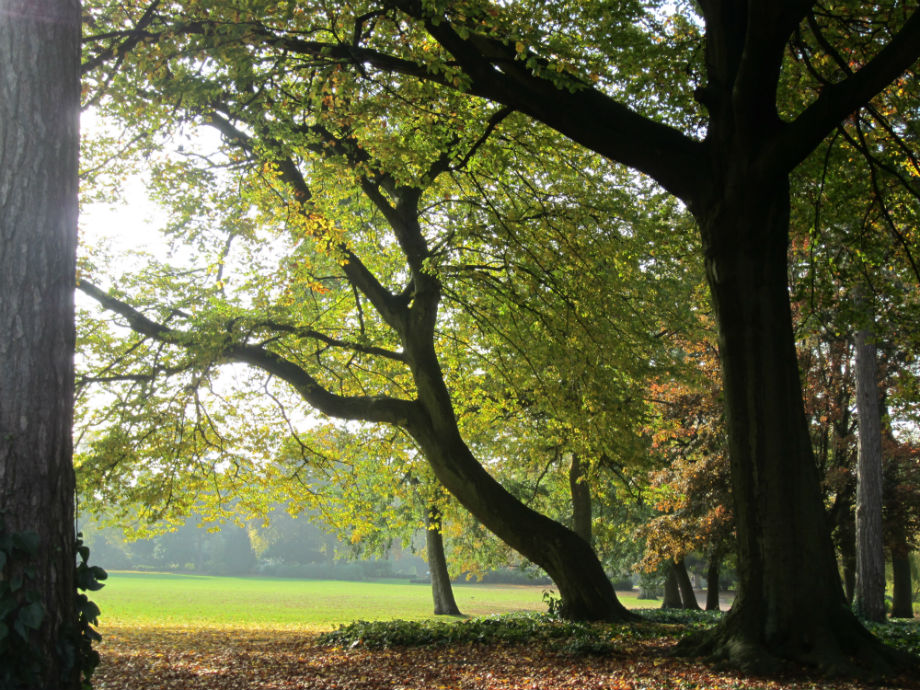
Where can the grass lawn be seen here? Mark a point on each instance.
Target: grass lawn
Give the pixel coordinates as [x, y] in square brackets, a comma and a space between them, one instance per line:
[163, 600]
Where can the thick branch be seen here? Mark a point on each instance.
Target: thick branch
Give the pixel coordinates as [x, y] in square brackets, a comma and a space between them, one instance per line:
[365, 408]
[585, 115]
[838, 101]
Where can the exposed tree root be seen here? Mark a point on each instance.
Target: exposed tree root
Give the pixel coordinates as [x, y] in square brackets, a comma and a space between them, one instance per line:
[839, 647]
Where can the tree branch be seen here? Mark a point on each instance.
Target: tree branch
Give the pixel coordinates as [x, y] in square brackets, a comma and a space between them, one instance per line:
[365, 408]
[837, 101]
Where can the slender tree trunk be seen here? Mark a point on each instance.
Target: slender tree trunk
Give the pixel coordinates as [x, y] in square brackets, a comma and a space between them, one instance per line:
[712, 583]
[672, 598]
[902, 597]
[581, 499]
[869, 601]
[848, 558]
[441, 590]
[39, 115]
[790, 605]
[687, 595]
[902, 605]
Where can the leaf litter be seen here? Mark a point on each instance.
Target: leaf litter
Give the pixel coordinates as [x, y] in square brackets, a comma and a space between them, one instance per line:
[216, 659]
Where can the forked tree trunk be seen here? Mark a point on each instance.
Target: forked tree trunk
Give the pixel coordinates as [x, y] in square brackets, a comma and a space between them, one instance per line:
[712, 584]
[39, 111]
[869, 601]
[687, 595]
[790, 605]
[441, 590]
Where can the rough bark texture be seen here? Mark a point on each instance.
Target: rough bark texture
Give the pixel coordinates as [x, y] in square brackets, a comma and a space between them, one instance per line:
[39, 111]
[581, 499]
[687, 595]
[441, 590]
[869, 600]
[712, 584]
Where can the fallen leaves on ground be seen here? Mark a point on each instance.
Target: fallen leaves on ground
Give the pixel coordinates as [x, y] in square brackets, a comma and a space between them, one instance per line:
[162, 659]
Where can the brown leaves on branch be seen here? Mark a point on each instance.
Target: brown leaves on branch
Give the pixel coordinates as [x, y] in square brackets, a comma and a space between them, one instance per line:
[190, 659]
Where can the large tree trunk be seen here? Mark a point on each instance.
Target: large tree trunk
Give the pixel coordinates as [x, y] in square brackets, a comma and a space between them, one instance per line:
[581, 499]
[790, 605]
[441, 590]
[687, 595]
[39, 115]
[869, 600]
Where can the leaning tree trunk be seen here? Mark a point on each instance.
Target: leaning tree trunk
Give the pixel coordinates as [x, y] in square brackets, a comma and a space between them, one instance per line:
[441, 590]
[585, 590]
[869, 600]
[687, 595]
[790, 606]
[39, 111]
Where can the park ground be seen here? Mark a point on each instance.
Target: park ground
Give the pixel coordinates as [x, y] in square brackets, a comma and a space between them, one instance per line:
[168, 631]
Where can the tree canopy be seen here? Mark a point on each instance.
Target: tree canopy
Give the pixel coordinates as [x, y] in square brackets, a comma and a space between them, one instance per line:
[393, 143]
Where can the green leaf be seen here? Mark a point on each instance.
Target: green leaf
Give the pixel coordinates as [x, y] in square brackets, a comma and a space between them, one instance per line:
[32, 615]
[27, 541]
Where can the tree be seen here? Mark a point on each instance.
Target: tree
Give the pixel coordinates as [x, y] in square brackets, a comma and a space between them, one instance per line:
[39, 111]
[285, 158]
[596, 73]
[735, 181]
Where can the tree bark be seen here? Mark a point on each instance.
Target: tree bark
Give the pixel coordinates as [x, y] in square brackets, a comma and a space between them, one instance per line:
[790, 605]
[672, 599]
[581, 499]
[712, 584]
[39, 125]
[687, 595]
[441, 590]
[869, 600]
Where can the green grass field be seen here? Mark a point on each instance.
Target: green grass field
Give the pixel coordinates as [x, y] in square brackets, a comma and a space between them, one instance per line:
[132, 599]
